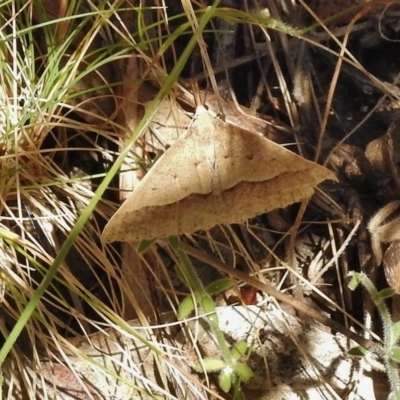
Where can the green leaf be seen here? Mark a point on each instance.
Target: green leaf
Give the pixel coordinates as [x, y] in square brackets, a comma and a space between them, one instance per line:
[395, 354]
[174, 242]
[354, 281]
[207, 304]
[395, 333]
[225, 379]
[238, 350]
[358, 351]
[386, 293]
[144, 245]
[186, 307]
[243, 372]
[209, 364]
[220, 285]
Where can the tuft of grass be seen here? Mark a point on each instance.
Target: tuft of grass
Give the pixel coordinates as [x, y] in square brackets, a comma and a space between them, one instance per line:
[57, 84]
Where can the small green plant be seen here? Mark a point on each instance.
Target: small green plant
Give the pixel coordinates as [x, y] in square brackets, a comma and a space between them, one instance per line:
[391, 330]
[232, 372]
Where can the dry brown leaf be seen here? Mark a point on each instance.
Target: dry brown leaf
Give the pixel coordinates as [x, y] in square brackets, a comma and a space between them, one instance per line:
[215, 174]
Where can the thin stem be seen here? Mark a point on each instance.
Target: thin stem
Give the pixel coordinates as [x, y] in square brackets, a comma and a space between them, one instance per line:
[388, 339]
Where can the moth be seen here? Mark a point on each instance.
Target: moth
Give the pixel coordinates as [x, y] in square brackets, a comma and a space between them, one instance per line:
[216, 173]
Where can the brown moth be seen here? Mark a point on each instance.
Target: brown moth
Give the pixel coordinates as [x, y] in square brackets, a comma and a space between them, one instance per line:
[216, 173]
